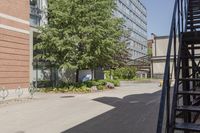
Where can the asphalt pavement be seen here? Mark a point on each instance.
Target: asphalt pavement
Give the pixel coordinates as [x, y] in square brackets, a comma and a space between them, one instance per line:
[127, 109]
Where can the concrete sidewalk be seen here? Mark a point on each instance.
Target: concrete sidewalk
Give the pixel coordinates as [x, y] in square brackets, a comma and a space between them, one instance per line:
[113, 111]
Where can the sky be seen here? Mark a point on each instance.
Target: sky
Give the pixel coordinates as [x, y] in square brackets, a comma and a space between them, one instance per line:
[159, 15]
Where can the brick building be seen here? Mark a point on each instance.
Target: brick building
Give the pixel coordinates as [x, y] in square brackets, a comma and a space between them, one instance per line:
[14, 43]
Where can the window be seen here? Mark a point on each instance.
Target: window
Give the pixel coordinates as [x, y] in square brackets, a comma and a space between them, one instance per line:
[33, 2]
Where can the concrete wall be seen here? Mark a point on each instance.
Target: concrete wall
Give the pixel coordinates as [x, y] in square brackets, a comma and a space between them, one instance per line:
[159, 52]
[159, 67]
[14, 43]
[160, 45]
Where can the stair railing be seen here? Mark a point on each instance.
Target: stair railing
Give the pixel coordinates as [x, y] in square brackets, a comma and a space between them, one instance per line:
[178, 25]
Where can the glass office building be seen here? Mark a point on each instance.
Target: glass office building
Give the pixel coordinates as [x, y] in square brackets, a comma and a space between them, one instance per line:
[37, 12]
[135, 15]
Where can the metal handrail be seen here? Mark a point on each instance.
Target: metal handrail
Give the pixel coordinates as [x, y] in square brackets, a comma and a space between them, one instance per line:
[179, 15]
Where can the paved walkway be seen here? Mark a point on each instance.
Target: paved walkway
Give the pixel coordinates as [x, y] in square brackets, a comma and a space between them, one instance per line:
[129, 109]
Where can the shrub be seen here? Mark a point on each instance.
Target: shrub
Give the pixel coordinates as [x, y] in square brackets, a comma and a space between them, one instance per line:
[125, 73]
[91, 83]
[107, 73]
[102, 82]
[85, 89]
[101, 87]
[115, 82]
[81, 87]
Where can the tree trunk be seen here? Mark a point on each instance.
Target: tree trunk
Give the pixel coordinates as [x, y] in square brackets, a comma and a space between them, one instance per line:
[55, 77]
[92, 70]
[36, 82]
[77, 75]
[51, 77]
[110, 73]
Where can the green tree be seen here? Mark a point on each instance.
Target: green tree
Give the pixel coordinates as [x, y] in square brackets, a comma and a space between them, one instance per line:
[82, 34]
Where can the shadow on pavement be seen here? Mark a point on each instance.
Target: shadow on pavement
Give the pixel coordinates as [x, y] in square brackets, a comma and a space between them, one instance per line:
[132, 114]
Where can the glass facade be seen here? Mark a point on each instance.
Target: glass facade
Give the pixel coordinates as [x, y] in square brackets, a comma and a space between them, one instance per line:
[135, 15]
[37, 12]
[34, 13]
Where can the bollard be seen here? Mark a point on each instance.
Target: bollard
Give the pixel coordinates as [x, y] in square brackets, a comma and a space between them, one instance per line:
[31, 90]
[4, 93]
[19, 92]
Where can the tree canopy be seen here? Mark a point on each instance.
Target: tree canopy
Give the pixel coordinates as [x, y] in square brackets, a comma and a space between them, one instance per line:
[82, 34]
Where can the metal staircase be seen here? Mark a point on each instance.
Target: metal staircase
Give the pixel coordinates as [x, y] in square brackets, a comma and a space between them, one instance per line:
[180, 103]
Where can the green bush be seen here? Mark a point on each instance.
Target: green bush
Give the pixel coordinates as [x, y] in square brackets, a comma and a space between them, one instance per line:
[107, 73]
[102, 82]
[115, 82]
[81, 87]
[101, 87]
[125, 73]
[85, 89]
[91, 83]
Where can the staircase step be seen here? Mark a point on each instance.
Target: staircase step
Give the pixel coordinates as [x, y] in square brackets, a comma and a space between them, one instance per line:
[195, 3]
[189, 79]
[194, 13]
[190, 67]
[193, 27]
[191, 37]
[194, 7]
[188, 108]
[196, 47]
[194, 22]
[187, 127]
[187, 57]
[196, 17]
[189, 92]
[192, 1]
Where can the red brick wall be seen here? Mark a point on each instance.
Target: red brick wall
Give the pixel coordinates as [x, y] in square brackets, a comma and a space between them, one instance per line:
[16, 8]
[14, 45]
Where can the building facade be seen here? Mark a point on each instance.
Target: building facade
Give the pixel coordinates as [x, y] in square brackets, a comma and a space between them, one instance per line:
[159, 52]
[14, 43]
[19, 21]
[135, 15]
